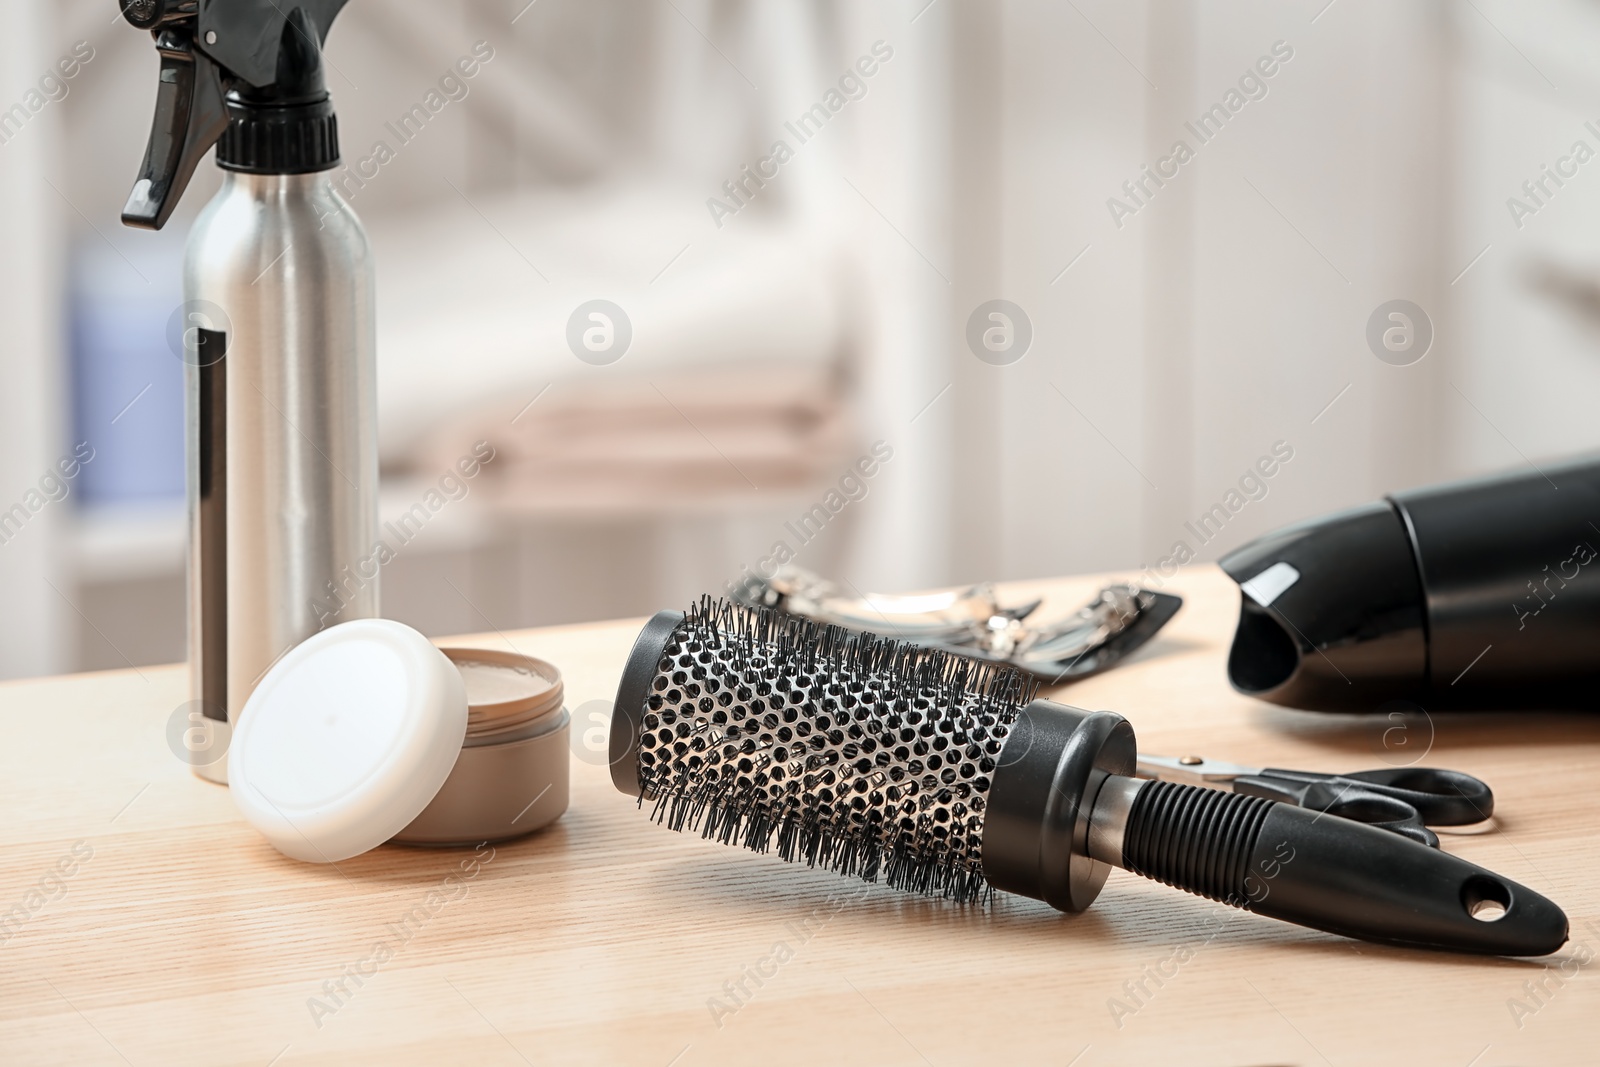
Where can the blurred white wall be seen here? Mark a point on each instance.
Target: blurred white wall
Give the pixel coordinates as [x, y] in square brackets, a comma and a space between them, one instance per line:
[1171, 348]
[1528, 366]
[1228, 310]
[34, 624]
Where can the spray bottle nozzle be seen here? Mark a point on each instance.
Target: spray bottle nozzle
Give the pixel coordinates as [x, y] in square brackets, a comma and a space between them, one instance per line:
[209, 49]
[148, 14]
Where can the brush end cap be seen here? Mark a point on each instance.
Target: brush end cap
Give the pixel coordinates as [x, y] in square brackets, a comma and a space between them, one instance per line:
[627, 715]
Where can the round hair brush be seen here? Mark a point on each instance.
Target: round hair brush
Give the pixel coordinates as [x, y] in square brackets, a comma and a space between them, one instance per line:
[945, 776]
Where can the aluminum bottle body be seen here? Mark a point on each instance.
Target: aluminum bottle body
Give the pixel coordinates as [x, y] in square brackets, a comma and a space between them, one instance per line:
[282, 432]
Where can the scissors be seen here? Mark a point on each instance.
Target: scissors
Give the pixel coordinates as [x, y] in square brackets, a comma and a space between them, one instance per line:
[1405, 800]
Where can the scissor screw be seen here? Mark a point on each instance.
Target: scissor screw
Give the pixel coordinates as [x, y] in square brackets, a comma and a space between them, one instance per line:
[1191, 761]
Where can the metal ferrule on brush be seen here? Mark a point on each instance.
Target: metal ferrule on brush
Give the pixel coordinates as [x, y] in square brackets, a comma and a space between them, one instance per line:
[944, 776]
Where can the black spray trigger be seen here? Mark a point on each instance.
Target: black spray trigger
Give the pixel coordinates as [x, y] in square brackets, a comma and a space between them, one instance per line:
[190, 117]
[264, 52]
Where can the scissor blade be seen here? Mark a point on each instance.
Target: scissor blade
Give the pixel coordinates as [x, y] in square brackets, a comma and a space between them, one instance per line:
[1196, 770]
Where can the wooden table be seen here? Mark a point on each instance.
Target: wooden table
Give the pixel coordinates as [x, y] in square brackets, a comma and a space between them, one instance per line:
[156, 928]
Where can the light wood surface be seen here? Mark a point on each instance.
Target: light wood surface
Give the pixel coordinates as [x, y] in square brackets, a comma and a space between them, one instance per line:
[160, 929]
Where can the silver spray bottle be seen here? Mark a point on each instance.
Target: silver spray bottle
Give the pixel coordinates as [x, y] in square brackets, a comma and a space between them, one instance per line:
[277, 334]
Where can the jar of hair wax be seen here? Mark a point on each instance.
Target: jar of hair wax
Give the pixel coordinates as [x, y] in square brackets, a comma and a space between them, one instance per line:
[512, 775]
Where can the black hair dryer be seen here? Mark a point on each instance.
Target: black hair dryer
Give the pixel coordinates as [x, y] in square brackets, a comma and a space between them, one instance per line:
[1474, 594]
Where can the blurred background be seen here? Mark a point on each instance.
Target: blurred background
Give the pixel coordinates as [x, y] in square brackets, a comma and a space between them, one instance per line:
[1172, 317]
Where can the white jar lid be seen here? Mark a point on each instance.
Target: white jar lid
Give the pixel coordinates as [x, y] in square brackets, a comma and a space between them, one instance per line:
[346, 739]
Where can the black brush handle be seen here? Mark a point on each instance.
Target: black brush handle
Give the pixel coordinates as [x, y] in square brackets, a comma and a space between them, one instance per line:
[1200, 840]
[1331, 874]
[1063, 810]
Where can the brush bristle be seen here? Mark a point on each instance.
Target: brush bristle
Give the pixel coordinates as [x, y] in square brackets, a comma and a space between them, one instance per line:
[864, 755]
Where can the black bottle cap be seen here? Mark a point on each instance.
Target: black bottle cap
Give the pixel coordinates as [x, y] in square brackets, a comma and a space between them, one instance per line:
[298, 139]
[287, 127]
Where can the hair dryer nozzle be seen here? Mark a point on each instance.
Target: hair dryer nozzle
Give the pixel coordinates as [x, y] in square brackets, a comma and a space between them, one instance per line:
[1331, 613]
[1473, 594]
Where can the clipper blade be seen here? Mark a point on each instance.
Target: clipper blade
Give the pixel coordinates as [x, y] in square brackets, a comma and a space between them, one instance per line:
[839, 749]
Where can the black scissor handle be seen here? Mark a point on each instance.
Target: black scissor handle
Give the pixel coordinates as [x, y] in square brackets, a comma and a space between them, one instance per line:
[1352, 799]
[1339, 795]
[1441, 797]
